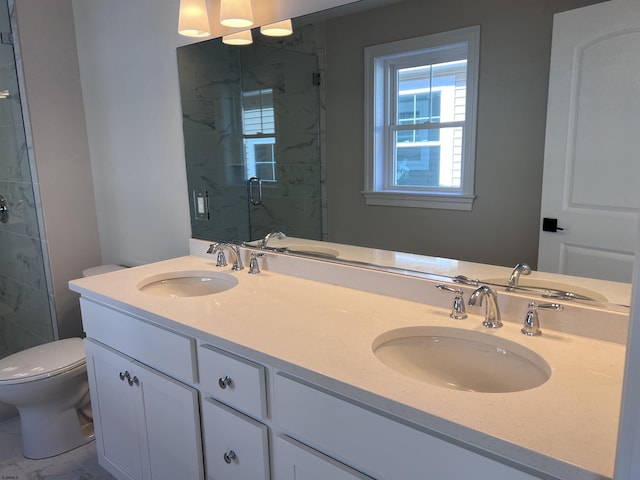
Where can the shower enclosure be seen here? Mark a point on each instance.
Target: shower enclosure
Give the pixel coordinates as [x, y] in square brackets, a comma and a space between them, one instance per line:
[25, 312]
[251, 119]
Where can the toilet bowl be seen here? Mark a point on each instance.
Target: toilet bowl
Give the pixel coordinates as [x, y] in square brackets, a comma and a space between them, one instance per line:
[48, 386]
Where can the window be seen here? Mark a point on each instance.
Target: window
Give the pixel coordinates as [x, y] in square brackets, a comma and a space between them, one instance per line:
[259, 132]
[420, 121]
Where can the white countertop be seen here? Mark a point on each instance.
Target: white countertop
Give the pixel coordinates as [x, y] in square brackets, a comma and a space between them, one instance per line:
[567, 427]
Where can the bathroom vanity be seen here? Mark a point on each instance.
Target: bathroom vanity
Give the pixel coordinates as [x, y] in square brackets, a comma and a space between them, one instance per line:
[277, 375]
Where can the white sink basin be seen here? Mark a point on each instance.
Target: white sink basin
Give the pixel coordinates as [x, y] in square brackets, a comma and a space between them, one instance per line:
[461, 359]
[542, 284]
[187, 284]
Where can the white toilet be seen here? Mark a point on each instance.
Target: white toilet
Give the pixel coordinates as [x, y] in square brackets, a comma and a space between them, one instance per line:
[48, 385]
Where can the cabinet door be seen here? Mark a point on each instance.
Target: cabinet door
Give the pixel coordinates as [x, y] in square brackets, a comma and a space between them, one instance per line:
[120, 440]
[147, 424]
[236, 446]
[172, 422]
[295, 461]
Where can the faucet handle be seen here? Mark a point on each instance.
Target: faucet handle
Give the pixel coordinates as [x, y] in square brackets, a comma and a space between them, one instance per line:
[458, 311]
[254, 266]
[221, 260]
[531, 326]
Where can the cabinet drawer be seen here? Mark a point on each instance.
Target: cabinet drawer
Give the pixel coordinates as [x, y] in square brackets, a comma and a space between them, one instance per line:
[167, 351]
[235, 446]
[372, 443]
[234, 381]
[295, 461]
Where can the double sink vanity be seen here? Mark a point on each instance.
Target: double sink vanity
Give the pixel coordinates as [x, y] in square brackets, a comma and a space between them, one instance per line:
[313, 369]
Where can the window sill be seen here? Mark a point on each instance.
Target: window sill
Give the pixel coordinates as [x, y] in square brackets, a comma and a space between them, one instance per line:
[442, 201]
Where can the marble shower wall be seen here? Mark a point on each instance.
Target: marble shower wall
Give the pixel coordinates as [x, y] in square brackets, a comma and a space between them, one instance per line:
[213, 77]
[25, 318]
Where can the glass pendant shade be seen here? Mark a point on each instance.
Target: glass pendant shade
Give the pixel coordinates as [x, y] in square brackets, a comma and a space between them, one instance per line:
[236, 13]
[238, 38]
[278, 29]
[193, 20]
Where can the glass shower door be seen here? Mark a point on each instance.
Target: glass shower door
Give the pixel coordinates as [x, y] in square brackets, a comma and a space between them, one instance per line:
[281, 133]
[25, 314]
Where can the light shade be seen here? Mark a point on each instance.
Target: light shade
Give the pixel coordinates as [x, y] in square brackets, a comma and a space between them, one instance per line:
[238, 38]
[278, 29]
[236, 13]
[193, 20]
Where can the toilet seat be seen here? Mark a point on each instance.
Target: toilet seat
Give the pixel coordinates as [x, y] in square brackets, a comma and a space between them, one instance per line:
[42, 361]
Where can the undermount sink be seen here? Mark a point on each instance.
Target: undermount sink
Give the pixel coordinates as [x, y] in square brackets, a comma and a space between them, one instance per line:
[187, 284]
[461, 359]
[554, 287]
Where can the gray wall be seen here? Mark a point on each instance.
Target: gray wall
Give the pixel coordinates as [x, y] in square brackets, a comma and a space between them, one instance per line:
[60, 150]
[515, 44]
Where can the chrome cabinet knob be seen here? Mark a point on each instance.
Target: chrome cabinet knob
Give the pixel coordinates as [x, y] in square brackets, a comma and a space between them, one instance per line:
[130, 380]
[229, 456]
[225, 382]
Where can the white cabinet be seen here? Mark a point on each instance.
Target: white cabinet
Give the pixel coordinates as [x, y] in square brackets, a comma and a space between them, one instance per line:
[375, 444]
[233, 380]
[147, 424]
[295, 461]
[235, 446]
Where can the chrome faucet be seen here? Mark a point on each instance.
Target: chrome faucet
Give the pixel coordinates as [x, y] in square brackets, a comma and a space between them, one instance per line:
[519, 269]
[531, 326]
[268, 236]
[218, 249]
[458, 311]
[492, 312]
[254, 266]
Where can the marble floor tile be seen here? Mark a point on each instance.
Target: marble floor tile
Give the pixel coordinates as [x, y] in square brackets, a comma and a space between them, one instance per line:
[78, 464]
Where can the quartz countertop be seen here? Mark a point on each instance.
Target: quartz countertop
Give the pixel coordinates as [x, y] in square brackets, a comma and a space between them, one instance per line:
[565, 428]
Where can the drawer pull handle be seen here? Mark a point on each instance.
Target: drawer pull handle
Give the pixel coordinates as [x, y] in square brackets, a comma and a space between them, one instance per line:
[225, 382]
[133, 381]
[228, 457]
[126, 375]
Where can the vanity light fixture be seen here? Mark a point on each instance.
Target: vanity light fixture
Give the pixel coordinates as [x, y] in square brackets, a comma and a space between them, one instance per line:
[236, 13]
[4, 94]
[278, 29]
[193, 20]
[239, 38]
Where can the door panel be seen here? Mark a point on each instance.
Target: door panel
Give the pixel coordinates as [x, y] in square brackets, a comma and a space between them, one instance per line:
[591, 162]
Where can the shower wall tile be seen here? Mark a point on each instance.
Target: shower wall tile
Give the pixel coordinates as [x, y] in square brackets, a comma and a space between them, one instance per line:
[14, 162]
[24, 316]
[21, 208]
[21, 260]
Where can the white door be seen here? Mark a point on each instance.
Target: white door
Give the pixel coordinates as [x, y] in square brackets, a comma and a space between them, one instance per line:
[172, 421]
[117, 414]
[591, 181]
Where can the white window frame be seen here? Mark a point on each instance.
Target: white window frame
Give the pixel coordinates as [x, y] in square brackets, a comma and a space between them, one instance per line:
[379, 109]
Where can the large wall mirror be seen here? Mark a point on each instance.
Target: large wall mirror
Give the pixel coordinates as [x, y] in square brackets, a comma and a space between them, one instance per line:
[274, 131]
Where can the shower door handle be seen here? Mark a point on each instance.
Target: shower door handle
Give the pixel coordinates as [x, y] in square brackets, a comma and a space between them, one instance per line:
[4, 210]
[252, 183]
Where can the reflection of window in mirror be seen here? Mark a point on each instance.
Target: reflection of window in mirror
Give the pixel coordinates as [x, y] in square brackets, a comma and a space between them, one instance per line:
[421, 121]
[258, 125]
